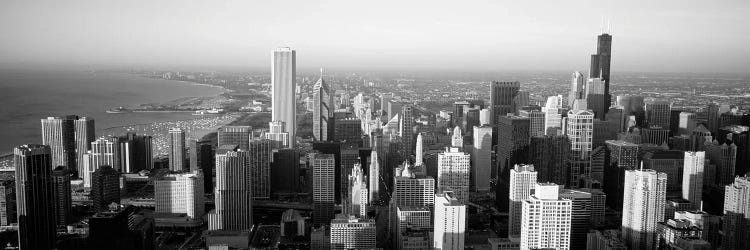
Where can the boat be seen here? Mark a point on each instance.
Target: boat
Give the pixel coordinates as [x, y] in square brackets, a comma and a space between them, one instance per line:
[118, 110]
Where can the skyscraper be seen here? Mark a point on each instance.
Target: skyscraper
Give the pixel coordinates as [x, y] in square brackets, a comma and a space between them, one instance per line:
[522, 181]
[595, 97]
[411, 220]
[8, 213]
[283, 85]
[412, 191]
[59, 134]
[260, 153]
[692, 178]
[512, 148]
[552, 116]
[657, 113]
[546, 219]
[323, 109]
[105, 151]
[687, 123]
[375, 177]
[449, 223]
[233, 192]
[502, 95]
[453, 173]
[84, 135]
[536, 121]
[135, 152]
[323, 187]
[358, 193]
[63, 202]
[105, 187]
[35, 197]
[277, 133]
[600, 63]
[285, 171]
[725, 157]
[419, 151]
[180, 193]
[481, 157]
[736, 220]
[457, 138]
[580, 129]
[234, 135]
[643, 207]
[349, 232]
[550, 155]
[176, 149]
[622, 156]
[406, 129]
[577, 85]
[587, 211]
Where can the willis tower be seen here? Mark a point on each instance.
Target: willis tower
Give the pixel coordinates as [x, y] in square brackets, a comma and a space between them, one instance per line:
[600, 68]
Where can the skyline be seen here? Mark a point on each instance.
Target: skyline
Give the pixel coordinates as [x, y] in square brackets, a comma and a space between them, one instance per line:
[483, 36]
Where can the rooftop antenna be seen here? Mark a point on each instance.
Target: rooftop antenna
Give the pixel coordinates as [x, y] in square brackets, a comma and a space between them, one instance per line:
[609, 27]
[601, 25]
[641, 165]
[321, 73]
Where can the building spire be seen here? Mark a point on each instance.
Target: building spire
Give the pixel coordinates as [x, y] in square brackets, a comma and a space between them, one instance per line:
[321, 73]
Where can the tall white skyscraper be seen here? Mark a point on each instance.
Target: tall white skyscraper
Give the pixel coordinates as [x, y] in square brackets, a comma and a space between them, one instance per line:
[552, 116]
[577, 84]
[485, 117]
[580, 131]
[176, 149]
[450, 222]
[352, 233]
[84, 135]
[358, 194]
[692, 178]
[453, 173]
[481, 157]
[644, 200]
[105, 152]
[457, 139]
[59, 134]
[374, 178]
[322, 109]
[545, 222]
[277, 134]
[419, 151]
[233, 191]
[736, 219]
[180, 193]
[283, 86]
[522, 182]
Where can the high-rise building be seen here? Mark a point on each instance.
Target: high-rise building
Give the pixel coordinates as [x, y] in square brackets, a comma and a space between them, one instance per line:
[356, 203]
[61, 182]
[549, 154]
[643, 207]
[485, 117]
[59, 134]
[234, 135]
[552, 115]
[457, 138]
[596, 100]
[453, 173]
[670, 162]
[180, 193]
[481, 157]
[657, 113]
[105, 187]
[35, 197]
[419, 151]
[84, 135]
[323, 187]
[632, 105]
[536, 122]
[135, 152]
[622, 156]
[502, 95]
[375, 178]
[512, 148]
[725, 157]
[600, 64]
[687, 123]
[577, 85]
[522, 182]
[546, 219]
[260, 153]
[322, 109]
[277, 134]
[412, 191]
[283, 85]
[348, 130]
[285, 171]
[712, 117]
[740, 136]
[736, 220]
[349, 232]
[449, 223]
[411, 220]
[8, 210]
[176, 149]
[580, 130]
[406, 129]
[587, 210]
[121, 228]
[605, 240]
[105, 151]
[692, 178]
[233, 191]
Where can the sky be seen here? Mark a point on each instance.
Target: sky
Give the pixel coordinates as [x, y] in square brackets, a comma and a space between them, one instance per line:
[466, 35]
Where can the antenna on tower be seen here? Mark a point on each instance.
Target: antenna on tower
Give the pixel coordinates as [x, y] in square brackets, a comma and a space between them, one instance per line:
[601, 25]
[321, 72]
[609, 27]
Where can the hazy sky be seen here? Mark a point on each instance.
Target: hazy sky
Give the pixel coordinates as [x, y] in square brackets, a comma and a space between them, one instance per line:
[491, 35]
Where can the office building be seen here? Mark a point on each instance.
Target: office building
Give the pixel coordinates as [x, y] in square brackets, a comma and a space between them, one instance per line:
[349, 232]
[35, 197]
[632, 105]
[552, 115]
[502, 95]
[549, 154]
[670, 162]
[84, 134]
[406, 130]
[259, 153]
[180, 193]
[536, 122]
[481, 157]
[61, 182]
[449, 224]
[580, 130]
[283, 86]
[512, 148]
[121, 228]
[410, 220]
[657, 113]
[176, 149]
[736, 220]
[233, 191]
[577, 85]
[235, 135]
[643, 207]
[686, 123]
[546, 219]
[59, 134]
[622, 156]
[412, 191]
[605, 240]
[277, 134]
[523, 179]
[348, 130]
[654, 135]
[692, 178]
[135, 152]
[587, 212]
[322, 109]
[8, 214]
[453, 173]
[356, 203]
[285, 171]
[419, 151]
[105, 187]
[725, 158]
[375, 178]
[105, 151]
[595, 97]
[323, 187]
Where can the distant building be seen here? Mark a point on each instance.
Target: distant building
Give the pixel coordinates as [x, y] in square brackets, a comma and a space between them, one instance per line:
[105, 187]
[692, 178]
[260, 153]
[587, 212]
[512, 148]
[643, 207]
[8, 212]
[449, 223]
[176, 149]
[502, 95]
[61, 182]
[577, 85]
[235, 135]
[622, 156]
[283, 86]
[59, 134]
[580, 129]
[453, 173]
[546, 219]
[35, 197]
[549, 154]
[323, 187]
[105, 151]
[285, 171]
[180, 193]
[322, 109]
[135, 152]
[481, 157]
